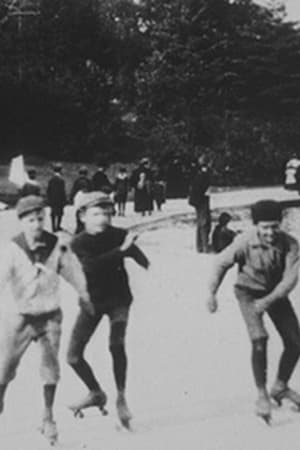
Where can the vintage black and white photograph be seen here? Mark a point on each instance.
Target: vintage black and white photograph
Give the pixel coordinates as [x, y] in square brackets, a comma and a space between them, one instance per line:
[149, 224]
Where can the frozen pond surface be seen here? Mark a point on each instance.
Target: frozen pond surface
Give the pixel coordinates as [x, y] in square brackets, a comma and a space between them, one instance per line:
[189, 383]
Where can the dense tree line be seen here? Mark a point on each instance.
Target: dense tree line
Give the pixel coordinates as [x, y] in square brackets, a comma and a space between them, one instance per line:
[123, 78]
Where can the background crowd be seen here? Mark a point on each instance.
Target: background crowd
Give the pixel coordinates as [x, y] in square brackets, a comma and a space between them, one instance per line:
[147, 184]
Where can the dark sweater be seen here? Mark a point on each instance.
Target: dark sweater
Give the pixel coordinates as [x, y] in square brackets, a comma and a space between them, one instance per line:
[100, 182]
[56, 192]
[103, 264]
[199, 187]
[221, 238]
[30, 188]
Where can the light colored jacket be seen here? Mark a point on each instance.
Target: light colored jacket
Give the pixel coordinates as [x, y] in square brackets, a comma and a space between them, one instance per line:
[270, 269]
[34, 276]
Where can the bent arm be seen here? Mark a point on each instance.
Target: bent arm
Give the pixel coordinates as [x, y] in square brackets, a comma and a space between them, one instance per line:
[289, 278]
[71, 270]
[223, 262]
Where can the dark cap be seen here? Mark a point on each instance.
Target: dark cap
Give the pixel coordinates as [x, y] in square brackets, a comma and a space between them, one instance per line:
[32, 171]
[266, 211]
[57, 167]
[29, 204]
[83, 170]
[144, 161]
[90, 199]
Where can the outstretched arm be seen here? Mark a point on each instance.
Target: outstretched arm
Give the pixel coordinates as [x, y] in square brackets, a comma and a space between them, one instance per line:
[139, 256]
[288, 281]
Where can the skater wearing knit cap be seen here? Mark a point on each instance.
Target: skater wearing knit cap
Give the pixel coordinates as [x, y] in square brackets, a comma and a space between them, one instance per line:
[30, 266]
[268, 265]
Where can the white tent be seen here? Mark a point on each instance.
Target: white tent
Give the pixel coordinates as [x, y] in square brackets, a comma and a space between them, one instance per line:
[17, 172]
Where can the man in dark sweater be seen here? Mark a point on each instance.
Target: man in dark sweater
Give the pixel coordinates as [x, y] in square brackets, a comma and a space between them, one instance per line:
[56, 197]
[82, 183]
[102, 248]
[100, 181]
[199, 199]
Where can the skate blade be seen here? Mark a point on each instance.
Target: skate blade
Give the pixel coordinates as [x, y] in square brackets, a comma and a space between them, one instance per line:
[295, 407]
[266, 418]
[78, 414]
[103, 411]
[277, 401]
[126, 423]
[124, 427]
[52, 441]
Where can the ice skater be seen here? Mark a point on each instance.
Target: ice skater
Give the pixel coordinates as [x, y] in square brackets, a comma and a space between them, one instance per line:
[30, 266]
[268, 265]
[102, 248]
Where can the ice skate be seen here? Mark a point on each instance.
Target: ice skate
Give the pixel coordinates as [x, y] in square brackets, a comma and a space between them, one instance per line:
[93, 399]
[281, 391]
[263, 408]
[123, 411]
[49, 430]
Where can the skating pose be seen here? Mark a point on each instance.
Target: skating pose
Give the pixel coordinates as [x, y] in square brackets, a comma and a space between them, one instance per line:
[268, 265]
[102, 248]
[30, 266]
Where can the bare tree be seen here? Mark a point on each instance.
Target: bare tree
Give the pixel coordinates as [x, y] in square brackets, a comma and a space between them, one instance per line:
[20, 9]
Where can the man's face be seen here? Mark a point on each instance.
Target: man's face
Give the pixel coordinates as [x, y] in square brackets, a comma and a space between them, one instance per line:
[97, 218]
[268, 231]
[33, 224]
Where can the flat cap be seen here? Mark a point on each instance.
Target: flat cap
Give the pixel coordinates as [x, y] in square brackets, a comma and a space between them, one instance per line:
[57, 167]
[29, 204]
[90, 199]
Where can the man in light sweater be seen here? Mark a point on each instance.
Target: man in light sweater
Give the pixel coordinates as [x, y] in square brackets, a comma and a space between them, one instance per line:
[31, 265]
[268, 266]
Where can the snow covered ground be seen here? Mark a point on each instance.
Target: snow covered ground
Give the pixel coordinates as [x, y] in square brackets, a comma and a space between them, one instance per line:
[189, 381]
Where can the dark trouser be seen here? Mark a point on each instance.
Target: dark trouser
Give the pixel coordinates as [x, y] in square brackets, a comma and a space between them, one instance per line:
[57, 213]
[121, 207]
[203, 226]
[286, 323]
[83, 330]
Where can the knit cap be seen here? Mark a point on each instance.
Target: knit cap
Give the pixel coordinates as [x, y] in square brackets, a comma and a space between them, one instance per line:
[266, 211]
